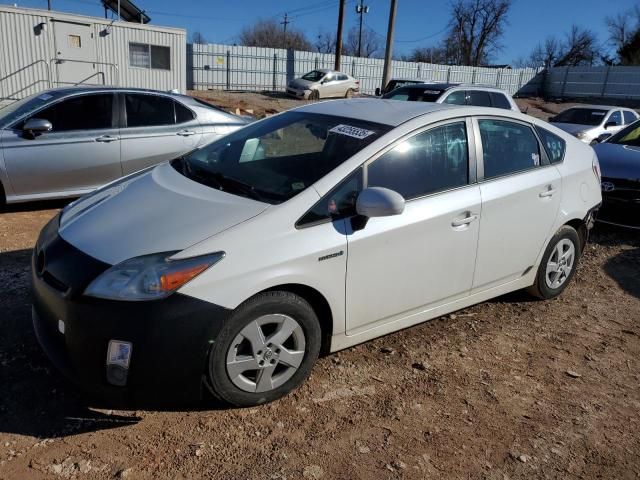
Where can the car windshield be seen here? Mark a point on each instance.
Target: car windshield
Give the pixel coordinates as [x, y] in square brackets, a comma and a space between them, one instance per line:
[581, 116]
[413, 94]
[627, 136]
[314, 76]
[279, 157]
[17, 109]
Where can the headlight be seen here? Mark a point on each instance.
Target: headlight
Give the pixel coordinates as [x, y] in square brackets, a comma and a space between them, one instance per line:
[149, 277]
[581, 134]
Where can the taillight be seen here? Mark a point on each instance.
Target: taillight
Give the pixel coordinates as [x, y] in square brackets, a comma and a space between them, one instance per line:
[596, 169]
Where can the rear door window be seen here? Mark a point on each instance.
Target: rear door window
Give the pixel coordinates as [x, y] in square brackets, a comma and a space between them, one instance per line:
[84, 112]
[499, 100]
[149, 110]
[478, 98]
[183, 114]
[507, 147]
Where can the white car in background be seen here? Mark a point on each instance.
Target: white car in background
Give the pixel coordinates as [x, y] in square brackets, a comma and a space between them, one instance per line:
[323, 83]
[313, 230]
[594, 123]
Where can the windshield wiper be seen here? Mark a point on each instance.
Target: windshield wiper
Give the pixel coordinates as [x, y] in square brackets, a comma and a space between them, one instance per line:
[237, 185]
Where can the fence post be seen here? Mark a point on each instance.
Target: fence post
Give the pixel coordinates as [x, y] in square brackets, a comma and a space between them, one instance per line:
[564, 83]
[418, 71]
[520, 80]
[606, 80]
[498, 78]
[228, 70]
[473, 76]
[275, 70]
[448, 74]
[315, 63]
[353, 67]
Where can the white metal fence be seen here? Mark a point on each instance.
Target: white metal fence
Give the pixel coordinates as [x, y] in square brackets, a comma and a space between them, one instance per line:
[228, 67]
[605, 82]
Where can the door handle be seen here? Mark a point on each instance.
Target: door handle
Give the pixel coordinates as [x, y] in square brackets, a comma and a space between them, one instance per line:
[464, 221]
[106, 139]
[548, 192]
[186, 133]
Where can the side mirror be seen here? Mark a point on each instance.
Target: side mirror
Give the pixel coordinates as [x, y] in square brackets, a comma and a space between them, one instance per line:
[379, 202]
[603, 136]
[610, 124]
[378, 92]
[552, 119]
[34, 126]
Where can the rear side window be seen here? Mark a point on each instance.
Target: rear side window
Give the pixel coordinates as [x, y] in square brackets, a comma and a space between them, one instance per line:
[149, 110]
[507, 148]
[478, 98]
[500, 101]
[629, 117]
[85, 112]
[456, 98]
[429, 162]
[183, 114]
[553, 144]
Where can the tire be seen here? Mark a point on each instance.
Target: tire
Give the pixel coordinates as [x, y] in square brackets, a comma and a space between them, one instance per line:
[349, 93]
[245, 372]
[314, 95]
[553, 276]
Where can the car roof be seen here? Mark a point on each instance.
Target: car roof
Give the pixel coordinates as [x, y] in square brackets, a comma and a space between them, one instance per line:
[62, 91]
[388, 112]
[599, 107]
[447, 86]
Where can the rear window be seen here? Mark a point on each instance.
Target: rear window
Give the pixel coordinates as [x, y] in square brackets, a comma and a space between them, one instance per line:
[413, 94]
[478, 98]
[629, 117]
[553, 145]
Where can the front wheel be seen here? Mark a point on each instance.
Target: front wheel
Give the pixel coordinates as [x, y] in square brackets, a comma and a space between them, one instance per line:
[314, 95]
[265, 350]
[558, 265]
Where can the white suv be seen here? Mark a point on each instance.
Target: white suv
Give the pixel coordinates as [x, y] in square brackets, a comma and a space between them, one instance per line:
[454, 94]
[313, 230]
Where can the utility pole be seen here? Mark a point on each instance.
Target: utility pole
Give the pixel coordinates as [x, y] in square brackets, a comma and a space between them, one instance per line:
[285, 22]
[361, 10]
[49, 4]
[388, 52]
[339, 35]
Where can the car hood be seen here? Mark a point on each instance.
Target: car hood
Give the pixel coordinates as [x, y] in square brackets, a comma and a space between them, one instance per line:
[157, 210]
[302, 84]
[618, 161]
[572, 128]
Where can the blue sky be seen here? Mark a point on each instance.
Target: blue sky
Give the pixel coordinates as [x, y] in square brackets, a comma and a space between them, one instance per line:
[418, 21]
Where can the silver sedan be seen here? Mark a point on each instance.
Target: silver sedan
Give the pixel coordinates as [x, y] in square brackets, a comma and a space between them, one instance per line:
[69, 141]
[323, 83]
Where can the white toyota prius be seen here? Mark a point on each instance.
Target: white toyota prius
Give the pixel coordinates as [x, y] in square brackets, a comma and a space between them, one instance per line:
[232, 268]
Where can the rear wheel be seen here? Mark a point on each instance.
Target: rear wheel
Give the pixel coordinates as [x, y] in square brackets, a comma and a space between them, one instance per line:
[314, 95]
[266, 349]
[558, 265]
[349, 93]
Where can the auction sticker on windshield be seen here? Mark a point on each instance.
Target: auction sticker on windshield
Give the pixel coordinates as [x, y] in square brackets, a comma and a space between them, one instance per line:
[350, 131]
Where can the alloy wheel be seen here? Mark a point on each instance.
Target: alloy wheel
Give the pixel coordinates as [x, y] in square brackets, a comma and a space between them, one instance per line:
[560, 263]
[266, 353]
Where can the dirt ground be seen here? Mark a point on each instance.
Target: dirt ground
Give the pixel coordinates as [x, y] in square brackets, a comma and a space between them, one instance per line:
[511, 388]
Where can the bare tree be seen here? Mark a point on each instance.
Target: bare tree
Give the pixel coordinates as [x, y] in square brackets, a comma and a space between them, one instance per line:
[476, 27]
[326, 42]
[630, 52]
[198, 37]
[546, 54]
[371, 43]
[580, 47]
[269, 33]
[438, 54]
[623, 31]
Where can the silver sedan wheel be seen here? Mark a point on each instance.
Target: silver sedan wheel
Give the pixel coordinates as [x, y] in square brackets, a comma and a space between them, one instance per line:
[560, 263]
[266, 353]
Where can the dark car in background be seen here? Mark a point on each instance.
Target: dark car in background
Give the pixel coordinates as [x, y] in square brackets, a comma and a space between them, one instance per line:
[619, 159]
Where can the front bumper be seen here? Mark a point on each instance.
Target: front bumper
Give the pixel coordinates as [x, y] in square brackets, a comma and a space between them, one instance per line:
[298, 93]
[171, 337]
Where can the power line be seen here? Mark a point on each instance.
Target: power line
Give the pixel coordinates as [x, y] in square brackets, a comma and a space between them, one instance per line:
[410, 41]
